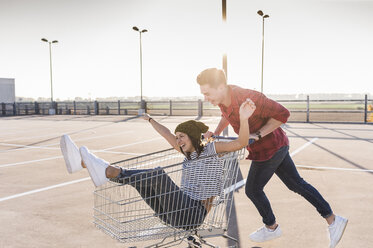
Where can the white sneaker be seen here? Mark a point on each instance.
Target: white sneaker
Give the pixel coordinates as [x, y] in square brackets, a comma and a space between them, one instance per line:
[336, 230]
[71, 154]
[264, 234]
[96, 166]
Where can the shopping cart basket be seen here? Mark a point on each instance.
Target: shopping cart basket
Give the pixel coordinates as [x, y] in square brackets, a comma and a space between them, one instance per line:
[120, 210]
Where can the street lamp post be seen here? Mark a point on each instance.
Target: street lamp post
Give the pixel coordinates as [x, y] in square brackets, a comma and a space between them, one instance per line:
[51, 110]
[143, 105]
[263, 17]
[225, 57]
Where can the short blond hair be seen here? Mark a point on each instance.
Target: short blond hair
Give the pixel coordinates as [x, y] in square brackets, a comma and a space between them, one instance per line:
[213, 77]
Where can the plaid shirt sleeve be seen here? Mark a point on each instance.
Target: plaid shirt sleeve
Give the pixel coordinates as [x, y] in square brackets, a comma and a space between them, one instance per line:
[266, 107]
[272, 109]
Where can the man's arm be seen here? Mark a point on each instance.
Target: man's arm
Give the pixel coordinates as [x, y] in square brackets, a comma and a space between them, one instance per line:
[268, 109]
[274, 112]
[222, 124]
[271, 125]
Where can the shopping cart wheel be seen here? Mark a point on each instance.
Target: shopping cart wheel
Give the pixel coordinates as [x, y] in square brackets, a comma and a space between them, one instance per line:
[193, 242]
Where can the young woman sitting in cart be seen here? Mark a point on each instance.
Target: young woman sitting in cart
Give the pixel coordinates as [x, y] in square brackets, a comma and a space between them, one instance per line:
[182, 207]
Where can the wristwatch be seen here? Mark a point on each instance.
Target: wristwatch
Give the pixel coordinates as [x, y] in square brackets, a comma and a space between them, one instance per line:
[259, 135]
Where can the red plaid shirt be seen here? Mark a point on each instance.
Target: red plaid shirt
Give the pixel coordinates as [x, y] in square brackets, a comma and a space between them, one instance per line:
[266, 108]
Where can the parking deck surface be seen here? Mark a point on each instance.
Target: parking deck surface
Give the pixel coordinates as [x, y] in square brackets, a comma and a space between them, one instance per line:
[41, 205]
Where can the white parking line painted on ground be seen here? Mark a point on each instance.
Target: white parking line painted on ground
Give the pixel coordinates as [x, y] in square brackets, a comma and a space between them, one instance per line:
[243, 182]
[237, 185]
[303, 146]
[50, 134]
[40, 136]
[44, 189]
[26, 147]
[29, 162]
[308, 167]
[96, 151]
[136, 143]
[332, 168]
[18, 132]
[122, 153]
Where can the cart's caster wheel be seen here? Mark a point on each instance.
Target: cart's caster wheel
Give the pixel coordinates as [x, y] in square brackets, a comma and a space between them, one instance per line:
[193, 240]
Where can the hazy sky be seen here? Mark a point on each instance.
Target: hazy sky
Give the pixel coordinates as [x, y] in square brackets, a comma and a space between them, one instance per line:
[313, 46]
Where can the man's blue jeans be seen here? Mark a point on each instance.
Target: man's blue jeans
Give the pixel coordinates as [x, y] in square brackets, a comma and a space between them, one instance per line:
[281, 164]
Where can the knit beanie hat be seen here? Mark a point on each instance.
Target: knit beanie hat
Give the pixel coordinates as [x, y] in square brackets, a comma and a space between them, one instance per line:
[192, 128]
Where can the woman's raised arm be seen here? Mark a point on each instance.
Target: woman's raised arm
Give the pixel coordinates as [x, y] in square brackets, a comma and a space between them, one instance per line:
[247, 108]
[163, 131]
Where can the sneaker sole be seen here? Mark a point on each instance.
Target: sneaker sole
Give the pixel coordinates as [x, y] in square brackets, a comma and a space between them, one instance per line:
[265, 240]
[272, 238]
[64, 151]
[340, 237]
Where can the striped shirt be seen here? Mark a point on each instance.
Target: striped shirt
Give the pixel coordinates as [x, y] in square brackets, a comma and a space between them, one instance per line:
[202, 178]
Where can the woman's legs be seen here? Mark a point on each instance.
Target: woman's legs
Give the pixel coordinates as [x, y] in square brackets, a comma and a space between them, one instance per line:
[117, 174]
[155, 186]
[165, 197]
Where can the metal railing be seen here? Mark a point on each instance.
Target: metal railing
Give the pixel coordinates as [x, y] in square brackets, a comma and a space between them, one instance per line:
[307, 110]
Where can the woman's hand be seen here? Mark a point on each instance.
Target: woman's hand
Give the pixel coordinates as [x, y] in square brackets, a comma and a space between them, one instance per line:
[247, 108]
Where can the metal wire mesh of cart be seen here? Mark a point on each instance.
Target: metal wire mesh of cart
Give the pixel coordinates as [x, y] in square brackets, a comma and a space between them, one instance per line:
[152, 204]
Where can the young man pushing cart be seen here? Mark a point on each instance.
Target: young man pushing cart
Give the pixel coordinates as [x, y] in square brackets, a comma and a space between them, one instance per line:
[269, 153]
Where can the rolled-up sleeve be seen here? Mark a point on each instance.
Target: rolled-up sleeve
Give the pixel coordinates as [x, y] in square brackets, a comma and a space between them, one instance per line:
[275, 110]
[272, 109]
[267, 108]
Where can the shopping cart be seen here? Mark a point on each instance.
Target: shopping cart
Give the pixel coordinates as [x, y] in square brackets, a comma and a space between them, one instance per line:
[124, 214]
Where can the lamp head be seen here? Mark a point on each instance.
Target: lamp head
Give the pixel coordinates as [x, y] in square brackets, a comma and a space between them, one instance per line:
[55, 41]
[144, 30]
[260, 12]
[266, 16]
[135, 28]
[44, 39]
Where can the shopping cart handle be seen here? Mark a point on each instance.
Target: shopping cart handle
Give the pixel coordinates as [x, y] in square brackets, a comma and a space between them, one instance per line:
[229, 138]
